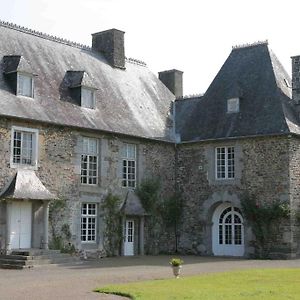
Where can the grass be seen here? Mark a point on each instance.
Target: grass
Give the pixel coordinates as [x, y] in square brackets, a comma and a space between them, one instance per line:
[263, 284]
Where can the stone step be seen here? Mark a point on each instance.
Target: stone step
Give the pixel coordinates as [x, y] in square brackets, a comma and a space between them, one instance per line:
[21, 262]
[14, 267]
[20, 259]
[33, 252]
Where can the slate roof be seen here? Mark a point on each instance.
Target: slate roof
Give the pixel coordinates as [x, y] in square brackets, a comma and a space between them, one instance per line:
[132, 205]
[132, 101]
[25, 185]
[254, 74]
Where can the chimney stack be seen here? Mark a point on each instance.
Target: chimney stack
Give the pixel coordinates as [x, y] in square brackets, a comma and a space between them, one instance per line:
[172, 79]
[111, 44]
[296, 78]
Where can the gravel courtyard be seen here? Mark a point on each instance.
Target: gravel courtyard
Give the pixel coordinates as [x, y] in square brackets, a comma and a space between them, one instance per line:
[77, 281]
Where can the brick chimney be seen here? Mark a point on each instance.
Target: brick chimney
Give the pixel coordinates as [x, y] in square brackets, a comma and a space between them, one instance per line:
[296, 78]
[111, 44]
[172, 79]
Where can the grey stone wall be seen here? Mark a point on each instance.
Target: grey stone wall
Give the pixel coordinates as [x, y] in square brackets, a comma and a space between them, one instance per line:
[59, 170]
[261, 169]
[293, 237]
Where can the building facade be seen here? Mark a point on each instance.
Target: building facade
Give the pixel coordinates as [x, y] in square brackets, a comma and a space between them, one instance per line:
[78, 124]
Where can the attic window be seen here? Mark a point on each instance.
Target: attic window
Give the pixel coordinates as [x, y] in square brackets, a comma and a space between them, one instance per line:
[87, 98]
[25, 85]
[233, 105]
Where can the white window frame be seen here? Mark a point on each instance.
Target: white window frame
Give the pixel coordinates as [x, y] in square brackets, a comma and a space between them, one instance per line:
[126, 160]
[93, 97]
[233, 105]
[18, 84]
[226, 165]
[35, 143]
[88, 217]
[89, 155]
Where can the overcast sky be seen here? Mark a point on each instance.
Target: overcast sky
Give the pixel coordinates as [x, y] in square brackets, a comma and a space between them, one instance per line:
[193, 36]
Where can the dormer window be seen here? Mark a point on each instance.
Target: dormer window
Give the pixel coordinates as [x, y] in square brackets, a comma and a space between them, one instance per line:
[233, 105]
[25, 85]
[87, 97]
[81, 88]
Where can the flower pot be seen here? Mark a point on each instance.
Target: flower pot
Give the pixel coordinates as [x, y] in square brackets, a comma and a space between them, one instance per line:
[176, 271]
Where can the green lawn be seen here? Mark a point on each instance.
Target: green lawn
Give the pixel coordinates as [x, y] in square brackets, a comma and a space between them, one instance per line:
[263, 284]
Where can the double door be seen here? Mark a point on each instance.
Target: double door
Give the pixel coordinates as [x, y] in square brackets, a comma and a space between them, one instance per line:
[20, 224]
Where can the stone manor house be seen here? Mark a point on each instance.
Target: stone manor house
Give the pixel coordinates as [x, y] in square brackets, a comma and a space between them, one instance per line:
[78, 123]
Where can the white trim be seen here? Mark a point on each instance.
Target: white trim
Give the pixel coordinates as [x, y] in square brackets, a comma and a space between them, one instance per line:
[35, 148]
[226, 163]
[90, 154]
[129, 246]
[93, 96]
[226, 249]
[24, 74]
[129, 159]
[86, 216]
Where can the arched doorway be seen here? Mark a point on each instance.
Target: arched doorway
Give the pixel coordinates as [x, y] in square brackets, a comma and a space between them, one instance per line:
[228, 231]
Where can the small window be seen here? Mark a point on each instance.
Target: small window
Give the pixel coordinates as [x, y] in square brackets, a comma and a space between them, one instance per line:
[88, 222]
[89, 161]
[233, 105]
[87, 98]
[24, 146]
[129, 165]
[25, 85]
[225, 168]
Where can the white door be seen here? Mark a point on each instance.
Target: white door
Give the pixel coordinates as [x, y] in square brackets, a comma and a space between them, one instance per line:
[129, 238]
[228, 231]
[20, 224]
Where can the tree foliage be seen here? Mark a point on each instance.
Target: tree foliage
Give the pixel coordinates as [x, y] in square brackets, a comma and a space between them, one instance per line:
[265, 219]
[113, 224]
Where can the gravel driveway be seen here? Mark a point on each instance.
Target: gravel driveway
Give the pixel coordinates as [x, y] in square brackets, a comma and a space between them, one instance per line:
[78, 280]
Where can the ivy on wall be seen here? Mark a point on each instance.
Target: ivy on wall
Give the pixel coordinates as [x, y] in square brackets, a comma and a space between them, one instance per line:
[113, 224]
[61, 235]
[265, 220]
[162, 211]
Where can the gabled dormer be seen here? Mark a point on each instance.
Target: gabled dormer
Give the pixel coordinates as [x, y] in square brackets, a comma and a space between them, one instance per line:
[82, 88]
[19, 75]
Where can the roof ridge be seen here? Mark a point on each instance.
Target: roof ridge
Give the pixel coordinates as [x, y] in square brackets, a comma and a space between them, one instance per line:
[249, 45]
[59, 40]
[44, 35]
[191, 96]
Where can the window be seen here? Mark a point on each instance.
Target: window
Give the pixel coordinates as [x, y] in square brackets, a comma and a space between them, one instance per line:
[89, 161]
[225, 163]
[25, 85]
[88, 222]
[24, 146]
[87, 98]
[129, 165]
[231, 227]
[233, 105]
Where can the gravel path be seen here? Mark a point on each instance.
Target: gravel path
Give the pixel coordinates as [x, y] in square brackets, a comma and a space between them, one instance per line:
[78, 280]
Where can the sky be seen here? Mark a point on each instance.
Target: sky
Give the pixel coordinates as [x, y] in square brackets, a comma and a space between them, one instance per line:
[193, 36]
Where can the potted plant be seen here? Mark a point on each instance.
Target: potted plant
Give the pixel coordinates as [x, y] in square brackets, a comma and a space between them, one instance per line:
[176, 264]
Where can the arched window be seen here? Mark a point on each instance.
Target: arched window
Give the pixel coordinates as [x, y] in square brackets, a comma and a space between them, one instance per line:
[231, 227]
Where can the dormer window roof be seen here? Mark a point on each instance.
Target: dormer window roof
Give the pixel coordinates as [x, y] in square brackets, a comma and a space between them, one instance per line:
[16, 63]
[19, 75]
[83, 88]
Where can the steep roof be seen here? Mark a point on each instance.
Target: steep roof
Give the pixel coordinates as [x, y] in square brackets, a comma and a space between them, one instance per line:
[131, 101]
[253, 74]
